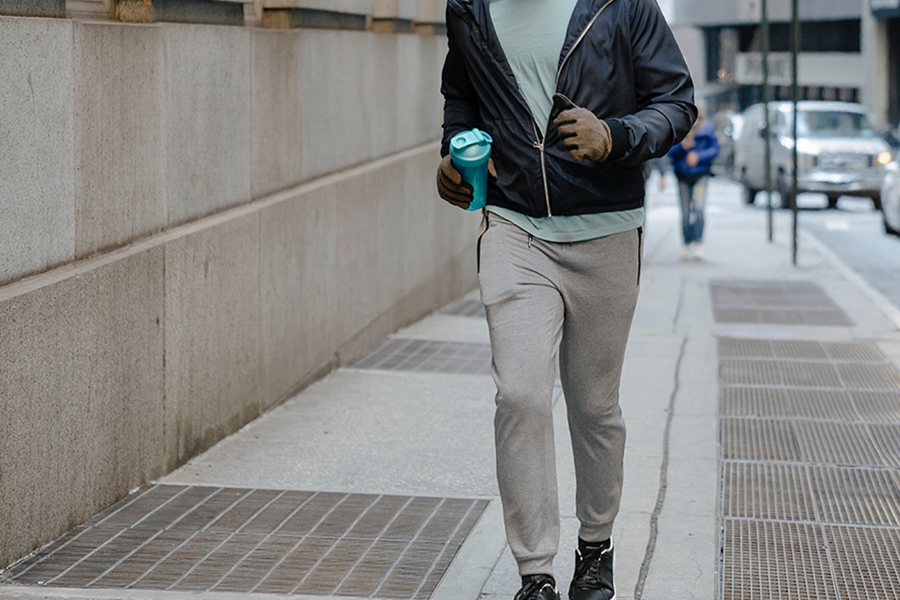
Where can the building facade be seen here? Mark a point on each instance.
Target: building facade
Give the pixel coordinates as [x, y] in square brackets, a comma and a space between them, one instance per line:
[848, 51]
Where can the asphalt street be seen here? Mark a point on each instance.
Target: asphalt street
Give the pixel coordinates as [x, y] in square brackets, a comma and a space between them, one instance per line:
[855, 233]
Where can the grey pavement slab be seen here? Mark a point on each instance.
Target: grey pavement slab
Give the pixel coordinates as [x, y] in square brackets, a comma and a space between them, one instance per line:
[368, 432]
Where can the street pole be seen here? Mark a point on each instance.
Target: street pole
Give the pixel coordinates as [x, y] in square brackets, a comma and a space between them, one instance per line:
[795, 49]
[765, 75]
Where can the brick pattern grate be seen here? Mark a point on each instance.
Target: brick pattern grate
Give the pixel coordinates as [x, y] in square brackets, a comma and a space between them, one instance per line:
[198, 538]
[467, 307]
[810, 471]
[425, 356]
[775, 303]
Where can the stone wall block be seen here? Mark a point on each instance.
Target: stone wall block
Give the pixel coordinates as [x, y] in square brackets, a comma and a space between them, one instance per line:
[33, 8]
[422, 208]
[359, 253]
[81, 398]
[371, 237]
[429, 12]
[388, 192]
[419, 102]
[395, 9]
[198, 11]
[298, 291]
[336, 125]
[382, 86]
[212, 335]
[120, 164]
[208, 119]
[360, 7]
[37, 229]
[276, 114]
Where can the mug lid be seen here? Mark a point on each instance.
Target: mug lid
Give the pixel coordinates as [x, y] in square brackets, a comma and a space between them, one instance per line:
[473, 137]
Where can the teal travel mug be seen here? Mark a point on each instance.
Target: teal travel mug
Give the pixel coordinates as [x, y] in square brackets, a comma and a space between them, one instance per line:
[469, 153]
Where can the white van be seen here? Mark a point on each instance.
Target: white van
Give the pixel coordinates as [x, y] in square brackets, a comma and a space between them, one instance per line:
[839, 153]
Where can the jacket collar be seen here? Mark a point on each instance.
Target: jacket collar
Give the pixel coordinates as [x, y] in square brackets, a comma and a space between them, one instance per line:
[478, 11]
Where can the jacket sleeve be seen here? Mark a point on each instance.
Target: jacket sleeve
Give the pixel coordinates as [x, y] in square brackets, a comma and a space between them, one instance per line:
[665, 92]
[460, 98]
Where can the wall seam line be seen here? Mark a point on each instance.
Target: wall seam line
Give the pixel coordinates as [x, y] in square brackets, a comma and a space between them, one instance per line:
[78, 267]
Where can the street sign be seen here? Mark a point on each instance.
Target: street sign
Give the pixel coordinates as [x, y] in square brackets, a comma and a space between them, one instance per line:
[748, 68]
[885, 9]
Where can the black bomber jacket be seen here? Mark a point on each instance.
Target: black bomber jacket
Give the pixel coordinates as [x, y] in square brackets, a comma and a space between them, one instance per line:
[619, 60]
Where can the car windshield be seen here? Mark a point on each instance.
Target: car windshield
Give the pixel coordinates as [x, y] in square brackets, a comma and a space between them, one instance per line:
[833, 124]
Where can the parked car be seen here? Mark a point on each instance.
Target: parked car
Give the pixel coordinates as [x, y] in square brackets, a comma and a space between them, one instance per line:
[891, 137]
[839, 153]
[890, 199]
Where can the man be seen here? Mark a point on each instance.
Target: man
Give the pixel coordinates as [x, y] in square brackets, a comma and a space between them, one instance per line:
[576, 94]
[692, 161]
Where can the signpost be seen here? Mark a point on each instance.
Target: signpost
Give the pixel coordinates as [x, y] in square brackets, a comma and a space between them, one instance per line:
[764, 63]
[795, 49]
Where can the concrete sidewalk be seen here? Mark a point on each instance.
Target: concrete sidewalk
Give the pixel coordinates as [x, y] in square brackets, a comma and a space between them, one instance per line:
[387, 431]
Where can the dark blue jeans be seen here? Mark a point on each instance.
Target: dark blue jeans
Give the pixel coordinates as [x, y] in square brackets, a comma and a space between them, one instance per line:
[692, 193]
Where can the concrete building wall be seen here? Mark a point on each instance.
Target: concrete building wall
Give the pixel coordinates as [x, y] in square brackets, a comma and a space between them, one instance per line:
[875, 68]
[691, 43]
[704, 13]
[866, 70]
[195, 222]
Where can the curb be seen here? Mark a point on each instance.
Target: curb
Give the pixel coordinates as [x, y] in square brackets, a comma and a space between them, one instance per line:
[846, 271]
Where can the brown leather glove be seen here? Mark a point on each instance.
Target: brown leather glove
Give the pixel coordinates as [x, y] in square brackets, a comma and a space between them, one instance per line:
[452, 188]
[584, 135]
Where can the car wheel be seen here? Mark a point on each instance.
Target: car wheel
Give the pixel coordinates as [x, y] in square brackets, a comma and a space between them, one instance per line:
[876, 199]
[887, 227]
[784, 190]
[749, 194]
[833, 200]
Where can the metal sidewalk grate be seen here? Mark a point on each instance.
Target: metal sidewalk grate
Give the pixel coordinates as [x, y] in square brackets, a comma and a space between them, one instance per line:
[467, 307]
[856, 496]
[788, 403]
[888, 439]
[775, 303]
[767, 440]
[819, 374]
[799, 350]
[768, 559]
[866, 562]
[424, 356]
[767, 491]
[838, 444]
[197, 538]
[810, 470]
[811, 404]
[878, 407]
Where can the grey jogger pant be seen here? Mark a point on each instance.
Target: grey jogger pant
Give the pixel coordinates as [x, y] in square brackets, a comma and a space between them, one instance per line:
[578, 298]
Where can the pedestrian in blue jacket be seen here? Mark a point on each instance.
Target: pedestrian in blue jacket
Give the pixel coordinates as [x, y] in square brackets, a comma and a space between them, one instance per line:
[576, 95]
[692, 162]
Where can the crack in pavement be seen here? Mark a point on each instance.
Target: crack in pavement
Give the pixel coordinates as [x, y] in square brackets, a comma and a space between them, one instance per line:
[663, 482]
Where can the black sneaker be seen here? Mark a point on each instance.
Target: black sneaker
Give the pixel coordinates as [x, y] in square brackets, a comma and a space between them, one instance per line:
[593, 579]
[537, 587]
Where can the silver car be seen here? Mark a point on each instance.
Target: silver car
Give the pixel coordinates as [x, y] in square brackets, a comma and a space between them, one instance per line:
[839, 153]
[890, 199]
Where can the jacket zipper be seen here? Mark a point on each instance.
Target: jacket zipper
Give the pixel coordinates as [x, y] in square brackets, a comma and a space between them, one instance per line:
[539, 141]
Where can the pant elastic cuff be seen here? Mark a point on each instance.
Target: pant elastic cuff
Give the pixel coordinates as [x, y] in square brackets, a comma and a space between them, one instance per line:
[595, 533]
[540, 565]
